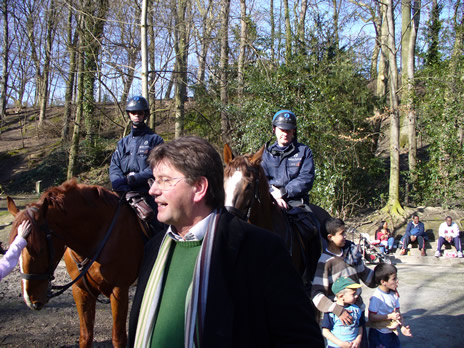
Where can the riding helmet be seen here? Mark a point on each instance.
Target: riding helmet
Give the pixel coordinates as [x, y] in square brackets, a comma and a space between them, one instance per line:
[284, 119]
[137, 103]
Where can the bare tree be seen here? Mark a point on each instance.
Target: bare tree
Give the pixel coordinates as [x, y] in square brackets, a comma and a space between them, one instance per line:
[4, 77]
[72, 37]
[181, 48]
[74, 149]
[223, 67]
[288, 32]
[243, 41]
[144, 44]
[393, 205]
[410, 107]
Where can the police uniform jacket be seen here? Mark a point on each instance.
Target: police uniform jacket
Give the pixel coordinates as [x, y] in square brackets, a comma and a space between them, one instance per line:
[291, 168]
[131, 156]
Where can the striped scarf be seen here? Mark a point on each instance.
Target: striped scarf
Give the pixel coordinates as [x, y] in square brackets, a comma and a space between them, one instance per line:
[196, 295]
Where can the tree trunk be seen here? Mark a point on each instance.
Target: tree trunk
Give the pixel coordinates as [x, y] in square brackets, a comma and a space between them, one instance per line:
[5, 73]
[144, 51]
[301, 26]
[94, 24]
[393, 205]
[288, 32]
[152, 68]
[405, 40]
[412, 155]
[51, 23]
[432, 56]
[223, 67]
[74, 149]
[72, 42]
[181, 48]
[243, 40]
[453, 94]
[271, 9]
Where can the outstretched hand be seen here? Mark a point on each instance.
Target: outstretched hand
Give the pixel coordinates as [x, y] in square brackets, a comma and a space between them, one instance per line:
[24, 229]
[406, 330]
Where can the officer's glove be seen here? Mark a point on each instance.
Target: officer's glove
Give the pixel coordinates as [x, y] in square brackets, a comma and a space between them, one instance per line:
[131, 178]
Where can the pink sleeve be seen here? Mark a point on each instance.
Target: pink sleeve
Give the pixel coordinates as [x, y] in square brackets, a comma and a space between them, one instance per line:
[9, 261]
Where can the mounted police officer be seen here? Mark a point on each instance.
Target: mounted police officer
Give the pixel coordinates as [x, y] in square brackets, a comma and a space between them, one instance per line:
[288, 164]
[129, 170]
[289, 168]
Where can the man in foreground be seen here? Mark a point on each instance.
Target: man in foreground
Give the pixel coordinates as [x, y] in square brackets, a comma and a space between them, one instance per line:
[213, 280]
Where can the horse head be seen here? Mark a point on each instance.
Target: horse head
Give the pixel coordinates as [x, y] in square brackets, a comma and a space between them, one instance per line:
[41, 255]
[245, 183]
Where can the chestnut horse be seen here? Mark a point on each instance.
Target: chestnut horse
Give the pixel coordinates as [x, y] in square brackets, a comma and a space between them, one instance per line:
[85, 223]
[248, 196]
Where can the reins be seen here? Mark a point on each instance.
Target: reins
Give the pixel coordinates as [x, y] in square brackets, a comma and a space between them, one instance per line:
[50, 271]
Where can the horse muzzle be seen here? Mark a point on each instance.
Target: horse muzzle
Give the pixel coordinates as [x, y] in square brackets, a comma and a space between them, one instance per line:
[37, 306]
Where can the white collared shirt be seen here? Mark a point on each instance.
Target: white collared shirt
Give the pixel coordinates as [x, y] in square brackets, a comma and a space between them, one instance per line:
[196, 233]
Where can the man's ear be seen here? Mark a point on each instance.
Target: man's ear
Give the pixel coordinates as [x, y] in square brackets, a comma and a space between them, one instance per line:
[200, 188]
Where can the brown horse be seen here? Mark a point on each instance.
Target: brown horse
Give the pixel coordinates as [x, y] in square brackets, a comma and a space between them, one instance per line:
[85, 223]
[248, 196]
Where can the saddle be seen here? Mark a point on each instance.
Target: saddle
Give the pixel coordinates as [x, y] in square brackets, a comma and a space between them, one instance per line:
[140, 206]
[306, 224]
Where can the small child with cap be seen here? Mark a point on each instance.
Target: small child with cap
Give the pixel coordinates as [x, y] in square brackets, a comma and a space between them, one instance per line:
[340, 335]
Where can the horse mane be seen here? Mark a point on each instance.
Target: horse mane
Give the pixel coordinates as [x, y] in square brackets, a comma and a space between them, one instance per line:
[55, 195]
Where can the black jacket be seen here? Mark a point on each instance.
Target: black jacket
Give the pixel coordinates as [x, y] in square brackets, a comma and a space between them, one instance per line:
[255, 296]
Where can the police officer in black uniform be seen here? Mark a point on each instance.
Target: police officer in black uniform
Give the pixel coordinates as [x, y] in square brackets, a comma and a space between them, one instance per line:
[129, 170]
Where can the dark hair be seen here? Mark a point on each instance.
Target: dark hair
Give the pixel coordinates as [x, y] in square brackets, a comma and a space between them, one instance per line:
[195, 158]
[332, 225]
[380, 227]
[383, 271]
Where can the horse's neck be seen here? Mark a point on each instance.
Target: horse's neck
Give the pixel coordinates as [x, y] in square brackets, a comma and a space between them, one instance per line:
[266, 214]
[80, 227]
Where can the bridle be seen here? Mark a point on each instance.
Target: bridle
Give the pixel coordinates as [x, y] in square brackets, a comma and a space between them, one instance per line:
[239, 213]
[49, 274]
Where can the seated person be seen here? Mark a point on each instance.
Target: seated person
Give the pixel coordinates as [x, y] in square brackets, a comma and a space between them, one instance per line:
[449, 233]
[385, 237]
[415, 231]
[288, 164]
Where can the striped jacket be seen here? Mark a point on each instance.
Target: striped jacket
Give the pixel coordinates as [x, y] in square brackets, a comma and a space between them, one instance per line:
[329, 268]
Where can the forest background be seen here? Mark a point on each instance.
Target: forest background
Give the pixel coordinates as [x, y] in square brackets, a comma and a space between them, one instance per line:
[377, 87]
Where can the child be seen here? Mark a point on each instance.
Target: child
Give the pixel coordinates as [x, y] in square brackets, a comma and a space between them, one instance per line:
[385, 237]
[341, 258]
[9, 261]
[384, 310]
[338, 334]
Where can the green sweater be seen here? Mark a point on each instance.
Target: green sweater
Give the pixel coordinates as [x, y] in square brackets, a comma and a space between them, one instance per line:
[170, 321]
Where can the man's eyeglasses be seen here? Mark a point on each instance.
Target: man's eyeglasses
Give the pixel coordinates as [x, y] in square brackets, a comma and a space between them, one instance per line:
[164, 183]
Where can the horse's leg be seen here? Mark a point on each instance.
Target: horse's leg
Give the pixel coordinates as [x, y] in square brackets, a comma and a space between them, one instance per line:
[85, 304]
[119, 308]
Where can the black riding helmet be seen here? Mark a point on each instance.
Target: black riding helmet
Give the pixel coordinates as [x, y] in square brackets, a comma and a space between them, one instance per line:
[138, 103]
[284, 119]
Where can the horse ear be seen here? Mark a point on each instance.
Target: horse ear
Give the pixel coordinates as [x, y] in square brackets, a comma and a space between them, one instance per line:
[228, 155]
[257, 157]
[12, 208]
